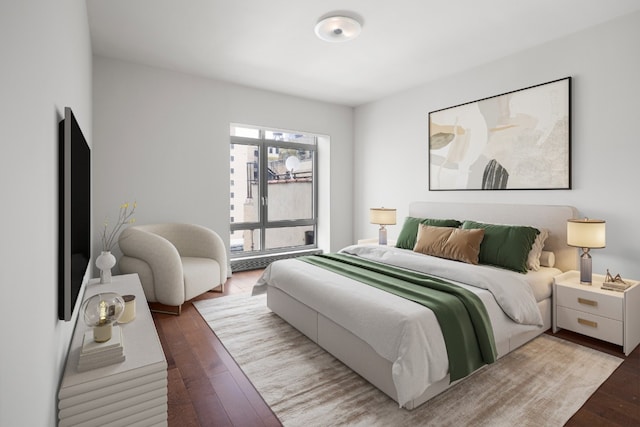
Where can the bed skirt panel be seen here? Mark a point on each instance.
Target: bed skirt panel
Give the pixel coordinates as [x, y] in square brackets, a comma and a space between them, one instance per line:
[360, 356]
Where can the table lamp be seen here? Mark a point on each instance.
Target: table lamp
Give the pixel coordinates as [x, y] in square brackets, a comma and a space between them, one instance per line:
[586, 234]
[382, 217]
[101, 311]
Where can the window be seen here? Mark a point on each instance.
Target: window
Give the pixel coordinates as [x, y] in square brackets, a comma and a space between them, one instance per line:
[274, 202]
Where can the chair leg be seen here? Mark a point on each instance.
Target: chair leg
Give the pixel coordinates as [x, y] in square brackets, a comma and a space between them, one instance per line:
[218, 289]
[162, 310]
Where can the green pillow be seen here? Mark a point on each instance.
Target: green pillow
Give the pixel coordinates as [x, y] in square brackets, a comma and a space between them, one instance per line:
[407, 237]
[505, 246]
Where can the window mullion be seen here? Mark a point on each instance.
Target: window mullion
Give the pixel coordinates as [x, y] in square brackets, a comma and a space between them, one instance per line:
[264, 193]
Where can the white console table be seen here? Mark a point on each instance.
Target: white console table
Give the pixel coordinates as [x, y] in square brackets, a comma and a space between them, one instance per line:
[130, 393]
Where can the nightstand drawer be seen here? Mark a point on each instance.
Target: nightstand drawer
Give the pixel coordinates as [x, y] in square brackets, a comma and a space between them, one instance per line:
[588, 324]
[590, 302]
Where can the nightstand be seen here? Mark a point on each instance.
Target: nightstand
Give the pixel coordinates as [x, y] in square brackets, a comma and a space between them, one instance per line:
[590, 310]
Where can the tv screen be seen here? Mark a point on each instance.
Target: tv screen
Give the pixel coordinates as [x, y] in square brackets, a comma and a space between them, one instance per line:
[74, 190]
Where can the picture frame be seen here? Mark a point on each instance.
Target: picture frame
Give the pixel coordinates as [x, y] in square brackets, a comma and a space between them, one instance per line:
[518, 140]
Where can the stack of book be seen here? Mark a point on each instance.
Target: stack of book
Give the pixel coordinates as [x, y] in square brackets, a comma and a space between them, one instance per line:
[616, 286]
[96, 355]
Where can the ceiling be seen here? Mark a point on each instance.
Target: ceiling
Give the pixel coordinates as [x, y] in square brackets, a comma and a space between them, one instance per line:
[271, 44]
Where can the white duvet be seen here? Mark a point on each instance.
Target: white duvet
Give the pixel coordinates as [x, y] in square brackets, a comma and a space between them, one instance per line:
[403, 332]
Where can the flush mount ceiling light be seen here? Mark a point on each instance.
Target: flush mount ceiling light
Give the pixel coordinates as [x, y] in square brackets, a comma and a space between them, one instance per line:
[338, 29]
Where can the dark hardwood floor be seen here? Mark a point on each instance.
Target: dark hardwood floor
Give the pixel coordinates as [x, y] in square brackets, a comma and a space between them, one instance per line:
[206, 387]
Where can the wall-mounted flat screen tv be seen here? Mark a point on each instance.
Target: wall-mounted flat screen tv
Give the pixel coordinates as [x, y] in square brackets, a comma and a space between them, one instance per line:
[74, 191]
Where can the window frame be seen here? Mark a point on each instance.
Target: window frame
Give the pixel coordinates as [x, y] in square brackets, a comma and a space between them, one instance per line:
[264, 223]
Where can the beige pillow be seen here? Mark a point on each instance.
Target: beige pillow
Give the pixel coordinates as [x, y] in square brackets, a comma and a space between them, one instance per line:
[451, 243]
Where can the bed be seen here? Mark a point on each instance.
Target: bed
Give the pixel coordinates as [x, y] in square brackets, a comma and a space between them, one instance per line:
[396, 344]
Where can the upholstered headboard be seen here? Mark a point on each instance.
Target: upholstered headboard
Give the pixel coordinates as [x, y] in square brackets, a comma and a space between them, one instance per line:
[553, 218]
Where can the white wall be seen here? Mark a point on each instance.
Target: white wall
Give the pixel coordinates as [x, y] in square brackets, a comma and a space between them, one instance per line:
[391, 166]
[162, 138]
[46, 65]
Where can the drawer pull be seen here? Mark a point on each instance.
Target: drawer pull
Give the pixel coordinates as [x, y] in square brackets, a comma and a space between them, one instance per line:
[587, 323]
[588, 302]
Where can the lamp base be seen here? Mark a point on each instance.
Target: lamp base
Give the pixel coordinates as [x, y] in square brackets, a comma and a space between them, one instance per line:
[585, 267]
[102, 333]
[382, 236]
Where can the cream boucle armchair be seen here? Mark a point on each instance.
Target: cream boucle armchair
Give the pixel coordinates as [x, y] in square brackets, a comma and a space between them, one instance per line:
[175, 262]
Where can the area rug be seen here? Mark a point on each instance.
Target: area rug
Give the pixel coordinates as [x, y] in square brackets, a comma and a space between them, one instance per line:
[542, 383]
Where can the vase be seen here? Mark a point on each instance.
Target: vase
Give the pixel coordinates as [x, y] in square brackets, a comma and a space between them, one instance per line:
[105, 262]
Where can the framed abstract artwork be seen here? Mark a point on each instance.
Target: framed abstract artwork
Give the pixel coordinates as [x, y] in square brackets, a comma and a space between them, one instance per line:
[519, 140]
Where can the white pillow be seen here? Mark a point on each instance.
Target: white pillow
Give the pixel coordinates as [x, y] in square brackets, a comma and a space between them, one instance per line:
[533, 259]
[547, 259]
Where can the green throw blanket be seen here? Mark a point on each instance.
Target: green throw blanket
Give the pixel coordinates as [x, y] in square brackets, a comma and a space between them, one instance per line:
[463, 318]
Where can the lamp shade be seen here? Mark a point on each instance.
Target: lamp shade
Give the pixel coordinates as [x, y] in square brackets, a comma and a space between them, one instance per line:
[586, 233]
[382, 216]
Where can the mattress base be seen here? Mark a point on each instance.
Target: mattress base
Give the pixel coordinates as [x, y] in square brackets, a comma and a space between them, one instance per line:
[360, 356]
